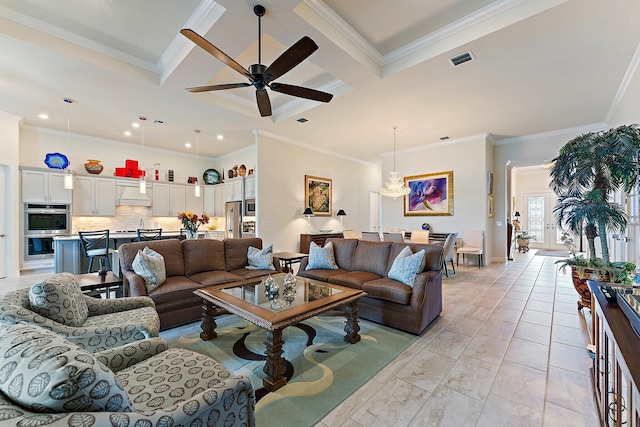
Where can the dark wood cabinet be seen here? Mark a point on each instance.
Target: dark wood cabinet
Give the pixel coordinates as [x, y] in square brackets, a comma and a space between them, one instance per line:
[616, 367]
[319, 239]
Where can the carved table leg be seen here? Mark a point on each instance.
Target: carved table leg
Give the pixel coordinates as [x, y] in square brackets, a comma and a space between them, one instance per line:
[208, 324]
[351, 326]
[274, 367]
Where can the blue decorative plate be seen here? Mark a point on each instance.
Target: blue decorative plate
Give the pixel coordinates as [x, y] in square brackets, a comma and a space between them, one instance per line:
[211, 176]
[56, 161]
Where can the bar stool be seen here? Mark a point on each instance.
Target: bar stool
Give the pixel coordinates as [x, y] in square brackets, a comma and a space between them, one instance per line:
[146, 234]
[95, 244]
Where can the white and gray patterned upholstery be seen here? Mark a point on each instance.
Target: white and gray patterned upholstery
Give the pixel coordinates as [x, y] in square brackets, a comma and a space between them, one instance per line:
[165, 387]
[59, 298]
[110, 322]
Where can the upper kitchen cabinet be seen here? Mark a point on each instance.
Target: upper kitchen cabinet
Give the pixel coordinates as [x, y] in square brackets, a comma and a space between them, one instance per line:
[94, 196]
[233, 190]
[44, 187]
[209, 200]
[194, 204]
[168, 199]
[250, 187]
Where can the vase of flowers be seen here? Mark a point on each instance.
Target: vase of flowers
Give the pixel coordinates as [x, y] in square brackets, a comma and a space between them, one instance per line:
[191, 222]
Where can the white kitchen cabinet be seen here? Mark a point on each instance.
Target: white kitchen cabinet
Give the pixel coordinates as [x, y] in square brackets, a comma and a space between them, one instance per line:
[168, 199]
[93, 196]
[209, 200]
[250, 187]
[233, 190]
[193, 203]
[44, 187]
[219, 197]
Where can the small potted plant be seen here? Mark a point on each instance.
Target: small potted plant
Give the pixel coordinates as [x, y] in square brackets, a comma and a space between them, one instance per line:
[522, 240]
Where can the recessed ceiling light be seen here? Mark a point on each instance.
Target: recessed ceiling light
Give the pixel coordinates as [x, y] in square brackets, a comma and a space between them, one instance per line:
[188, 145]
[220, 137]
[126, 132]
[302, 120]
[135, 125]
[43, 116]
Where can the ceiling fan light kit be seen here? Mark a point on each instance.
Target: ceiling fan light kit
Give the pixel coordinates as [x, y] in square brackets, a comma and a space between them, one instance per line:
[260, 76]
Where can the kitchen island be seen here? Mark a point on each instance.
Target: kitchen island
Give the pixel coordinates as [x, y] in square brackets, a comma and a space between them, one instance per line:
[68, 256]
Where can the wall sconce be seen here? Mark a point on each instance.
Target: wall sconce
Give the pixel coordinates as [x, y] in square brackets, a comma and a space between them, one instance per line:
[308, 213]
[341, 213]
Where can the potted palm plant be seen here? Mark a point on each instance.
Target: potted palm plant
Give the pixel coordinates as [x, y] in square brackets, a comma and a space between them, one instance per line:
[585, 175]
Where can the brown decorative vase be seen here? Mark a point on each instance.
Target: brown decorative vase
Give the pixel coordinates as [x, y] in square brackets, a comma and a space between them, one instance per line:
[580, 278]
[93, 167]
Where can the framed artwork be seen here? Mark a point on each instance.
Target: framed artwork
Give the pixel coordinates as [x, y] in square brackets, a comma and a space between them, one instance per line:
[490, 206]
[317, 194]
[489, 182]
[431, 194]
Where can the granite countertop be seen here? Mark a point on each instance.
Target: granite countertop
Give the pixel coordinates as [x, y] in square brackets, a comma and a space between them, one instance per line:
[121, 235]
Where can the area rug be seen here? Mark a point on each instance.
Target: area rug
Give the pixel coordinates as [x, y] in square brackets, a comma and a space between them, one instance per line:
[323, 369]
[553, 252]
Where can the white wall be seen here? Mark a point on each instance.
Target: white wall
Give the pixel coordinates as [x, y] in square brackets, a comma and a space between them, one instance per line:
[9, 158]
[467, 159]
[280, 191]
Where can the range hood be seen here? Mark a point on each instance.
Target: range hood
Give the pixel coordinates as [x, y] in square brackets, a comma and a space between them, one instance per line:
[129, 194]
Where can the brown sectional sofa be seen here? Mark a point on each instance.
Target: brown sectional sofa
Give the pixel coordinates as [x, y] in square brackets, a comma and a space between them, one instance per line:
[190, 265]
[364, 265]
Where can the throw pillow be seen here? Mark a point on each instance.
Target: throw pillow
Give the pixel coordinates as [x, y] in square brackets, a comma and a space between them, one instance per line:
[406, 266]
[60, 299]
[260, 259]
[44, 372]
[150, 265]
[321, 258]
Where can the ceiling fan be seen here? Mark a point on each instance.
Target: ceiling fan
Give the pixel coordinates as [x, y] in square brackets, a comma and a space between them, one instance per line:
[261, 76]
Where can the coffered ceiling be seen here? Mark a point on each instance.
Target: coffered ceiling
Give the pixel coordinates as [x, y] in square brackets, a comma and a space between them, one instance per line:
[539, 66]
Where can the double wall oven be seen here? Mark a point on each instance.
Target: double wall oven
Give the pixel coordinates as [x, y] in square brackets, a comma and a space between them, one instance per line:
[41, 223]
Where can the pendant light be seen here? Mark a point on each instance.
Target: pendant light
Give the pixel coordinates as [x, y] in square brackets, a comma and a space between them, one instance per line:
[68, 177]
[197, 187]
[394, 187]
[143, 181]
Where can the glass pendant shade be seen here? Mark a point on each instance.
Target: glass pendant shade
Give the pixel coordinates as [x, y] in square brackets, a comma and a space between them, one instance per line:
[68, 177]
[394, 187]
[68, 180]
[143, 185]
[197, 189]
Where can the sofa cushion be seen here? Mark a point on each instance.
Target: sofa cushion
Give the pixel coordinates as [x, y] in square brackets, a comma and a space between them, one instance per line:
[60, 299]
[321, 258]
[42, 371]
[149, 265]
[174, 289]
[322, 275]
[433, 255]
[210, 278]
[353, 279]
[388, 289]
[236, 250]
[170, 249]
[246, 274]
[372, 257]
[260, 259]
[343, 250]
[202, 255]
[406, 266]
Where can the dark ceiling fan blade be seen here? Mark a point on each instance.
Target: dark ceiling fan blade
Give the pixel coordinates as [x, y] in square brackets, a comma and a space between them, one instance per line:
[290, 58]
[204, 44]
[217, 87]
[302, 92]
[264, 105]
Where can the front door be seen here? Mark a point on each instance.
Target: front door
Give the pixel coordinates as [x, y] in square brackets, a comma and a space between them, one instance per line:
[539, 221]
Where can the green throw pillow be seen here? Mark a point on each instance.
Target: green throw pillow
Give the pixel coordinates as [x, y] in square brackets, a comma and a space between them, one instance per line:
[260, 259]
[321, 258]
[407, 266]
[150, 265]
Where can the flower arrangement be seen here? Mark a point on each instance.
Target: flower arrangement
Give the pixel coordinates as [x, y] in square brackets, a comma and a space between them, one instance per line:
[191, 222]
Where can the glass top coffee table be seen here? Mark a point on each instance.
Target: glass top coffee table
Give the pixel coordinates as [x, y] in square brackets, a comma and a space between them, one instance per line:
[248, 300]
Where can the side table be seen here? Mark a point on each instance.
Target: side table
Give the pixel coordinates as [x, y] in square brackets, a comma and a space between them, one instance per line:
[287, 259]
[93, 284]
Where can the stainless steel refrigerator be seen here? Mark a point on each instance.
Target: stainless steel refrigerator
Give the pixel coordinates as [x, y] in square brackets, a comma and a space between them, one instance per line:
[233, 215]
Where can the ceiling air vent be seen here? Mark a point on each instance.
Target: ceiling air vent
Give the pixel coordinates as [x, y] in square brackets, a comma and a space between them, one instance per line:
[462, 58]
[302, 120]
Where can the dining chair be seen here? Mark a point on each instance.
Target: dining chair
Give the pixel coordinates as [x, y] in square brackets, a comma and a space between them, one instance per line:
[472, 243]
[392, 237]
[95, 244]
[449, 248]
[146, 234]
[349, 234]
[420, 236]
[373, 236]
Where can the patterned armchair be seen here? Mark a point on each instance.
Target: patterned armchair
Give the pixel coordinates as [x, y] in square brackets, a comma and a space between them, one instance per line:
[94, 324]
[49, 381]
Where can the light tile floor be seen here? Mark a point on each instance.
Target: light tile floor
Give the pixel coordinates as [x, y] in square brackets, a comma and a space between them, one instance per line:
[508, 350]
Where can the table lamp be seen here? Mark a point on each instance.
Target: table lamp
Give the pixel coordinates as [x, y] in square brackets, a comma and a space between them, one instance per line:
[341, 213]
[308, 213]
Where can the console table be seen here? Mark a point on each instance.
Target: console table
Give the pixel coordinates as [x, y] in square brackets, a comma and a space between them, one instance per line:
[616, 367]
[318, 238]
